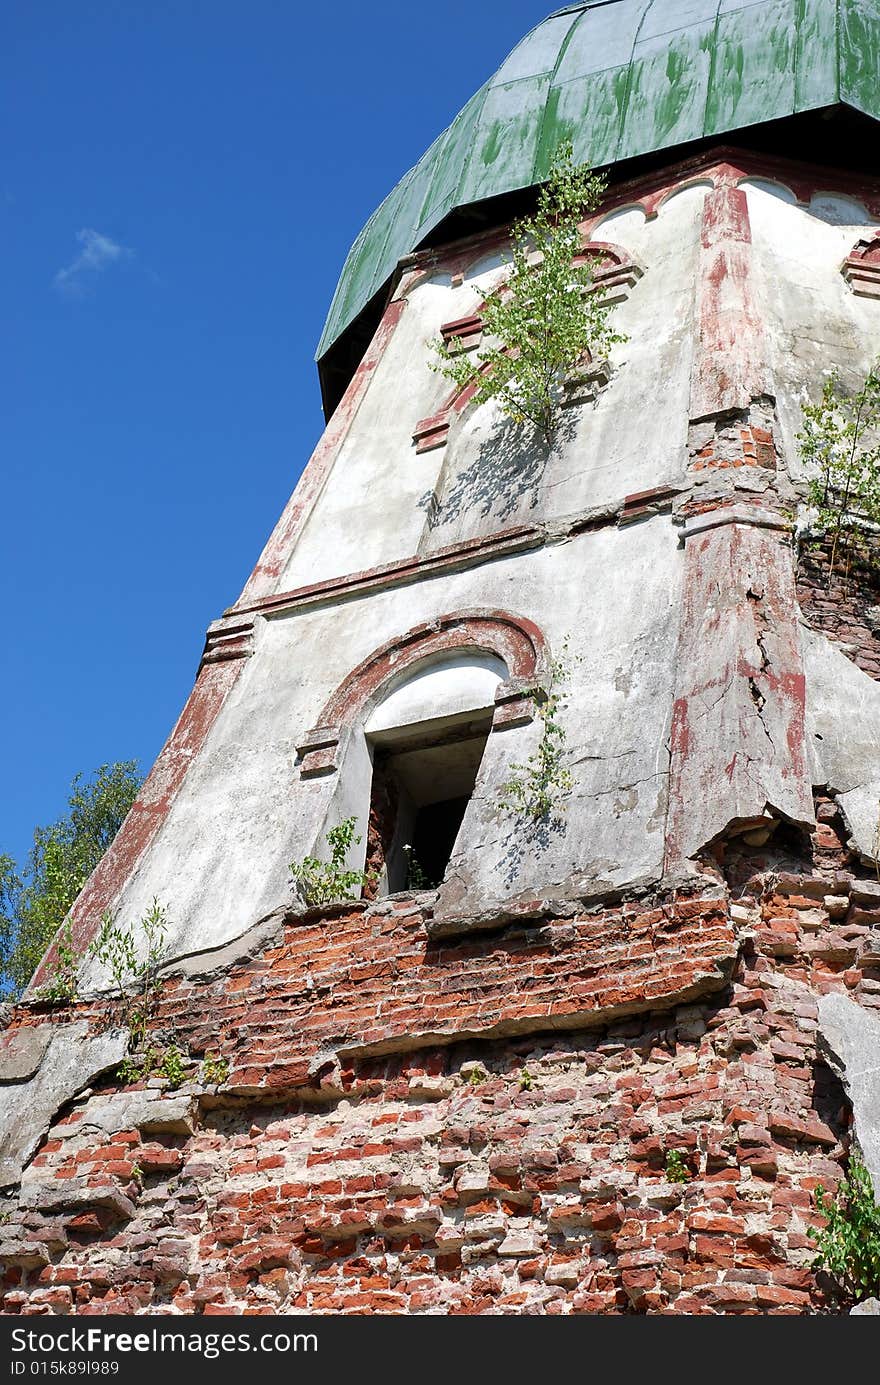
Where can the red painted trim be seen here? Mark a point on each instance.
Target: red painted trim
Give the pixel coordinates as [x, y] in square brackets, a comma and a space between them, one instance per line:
[228, 639]
[519, 642]
[516, 640]
[465, 330]
[431, 433]
[452, 558]
[642, 504]
[806, 180]
[457, 258]
[298, 509]
[150, 808]
[865, 251]
[730, 368]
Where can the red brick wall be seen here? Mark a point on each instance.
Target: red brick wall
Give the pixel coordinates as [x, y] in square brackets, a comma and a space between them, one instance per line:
[836, 603]
[517, 1173]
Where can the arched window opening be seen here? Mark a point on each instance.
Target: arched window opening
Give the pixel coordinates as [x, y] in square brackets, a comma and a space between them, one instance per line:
[399, 745]
[426, 741]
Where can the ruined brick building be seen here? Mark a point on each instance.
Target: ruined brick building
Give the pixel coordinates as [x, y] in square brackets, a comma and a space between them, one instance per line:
[464, 1098]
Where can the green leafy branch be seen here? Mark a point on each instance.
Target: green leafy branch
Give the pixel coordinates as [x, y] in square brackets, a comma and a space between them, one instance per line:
[840, 442]
[169, 1063]
[134, 973]
[329, 882]
[135, 978]
[416, 876]
[215, 1069]
[115, 948]
[849, 1244]
[536, 788]
[547, 316]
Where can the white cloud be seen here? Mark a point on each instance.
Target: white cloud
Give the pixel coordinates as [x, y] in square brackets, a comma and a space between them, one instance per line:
[95, 254]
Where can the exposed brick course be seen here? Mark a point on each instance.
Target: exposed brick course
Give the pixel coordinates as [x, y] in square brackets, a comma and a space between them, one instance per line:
[526, 1174]
[840, 603]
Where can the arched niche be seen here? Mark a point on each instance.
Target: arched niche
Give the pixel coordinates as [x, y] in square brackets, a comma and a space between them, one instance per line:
[427, 738]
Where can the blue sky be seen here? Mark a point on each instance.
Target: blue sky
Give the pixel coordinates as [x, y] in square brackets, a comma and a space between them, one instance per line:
[179, 186]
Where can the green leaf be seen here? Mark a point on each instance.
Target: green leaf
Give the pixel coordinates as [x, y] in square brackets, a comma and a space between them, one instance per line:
[537, 788]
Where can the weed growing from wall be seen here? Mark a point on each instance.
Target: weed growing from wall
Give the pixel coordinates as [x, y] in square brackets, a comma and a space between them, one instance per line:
[676, 1168]
[134, 964]
[537, 788]
[172, 1065]
[416, 879]
[849, 1244]
[116, 948]
[328, 882]
[547, 316]
[169, 1063]
[215, 1069]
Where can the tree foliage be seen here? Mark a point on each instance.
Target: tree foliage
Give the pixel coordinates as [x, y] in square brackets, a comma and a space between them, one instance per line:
[547, 315]
[35, 898]
[840, 441]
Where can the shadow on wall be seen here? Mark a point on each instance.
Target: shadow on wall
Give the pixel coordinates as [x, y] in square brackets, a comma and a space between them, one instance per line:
[505, 476]
[529, 838]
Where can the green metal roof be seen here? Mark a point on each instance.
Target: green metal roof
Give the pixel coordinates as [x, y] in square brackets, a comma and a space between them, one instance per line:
[620, 78]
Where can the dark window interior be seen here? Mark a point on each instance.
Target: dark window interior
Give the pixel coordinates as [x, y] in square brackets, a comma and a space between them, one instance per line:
[423, 780]
[434, 833]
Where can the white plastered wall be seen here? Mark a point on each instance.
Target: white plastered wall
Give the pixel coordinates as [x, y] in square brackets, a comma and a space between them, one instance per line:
[375, 505]
[220, 861]
[843, 733]
[603, 450]
[812, 319]
[815, 323]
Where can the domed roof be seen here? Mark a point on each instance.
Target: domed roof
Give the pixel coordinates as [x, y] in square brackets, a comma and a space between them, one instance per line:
[620, 78]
